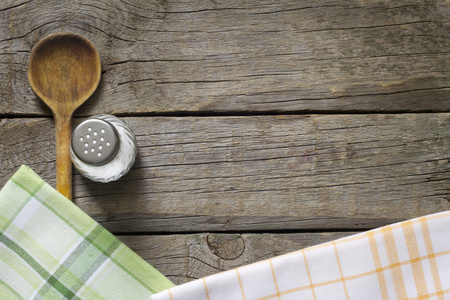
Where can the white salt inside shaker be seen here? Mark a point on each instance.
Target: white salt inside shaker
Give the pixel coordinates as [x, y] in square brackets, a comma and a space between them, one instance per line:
[103, 148]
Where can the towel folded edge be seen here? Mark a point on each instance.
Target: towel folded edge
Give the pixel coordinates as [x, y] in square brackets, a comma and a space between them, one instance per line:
[28, 178]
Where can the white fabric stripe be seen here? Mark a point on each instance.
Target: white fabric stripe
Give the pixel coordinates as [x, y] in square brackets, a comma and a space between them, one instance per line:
[77, 243]
[48, 230]
[61, 261]
[15, 280]
[102, 266]
[26, 213]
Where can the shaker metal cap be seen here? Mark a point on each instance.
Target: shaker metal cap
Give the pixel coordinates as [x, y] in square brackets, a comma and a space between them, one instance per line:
[95, 141]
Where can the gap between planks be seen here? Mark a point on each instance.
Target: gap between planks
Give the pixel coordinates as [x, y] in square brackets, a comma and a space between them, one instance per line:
[177, 114]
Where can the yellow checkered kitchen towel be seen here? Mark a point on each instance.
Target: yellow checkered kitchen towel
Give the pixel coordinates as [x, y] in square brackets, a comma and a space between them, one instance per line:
[407, 260]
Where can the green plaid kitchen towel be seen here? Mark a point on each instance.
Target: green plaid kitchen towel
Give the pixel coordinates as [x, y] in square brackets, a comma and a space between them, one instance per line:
[50, 249]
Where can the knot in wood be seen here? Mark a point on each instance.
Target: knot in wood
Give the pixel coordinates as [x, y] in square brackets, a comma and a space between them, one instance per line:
[226, 246]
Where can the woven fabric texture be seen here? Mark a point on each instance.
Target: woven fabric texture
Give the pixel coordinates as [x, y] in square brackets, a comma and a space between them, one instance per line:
[407, 260]
[50, 249]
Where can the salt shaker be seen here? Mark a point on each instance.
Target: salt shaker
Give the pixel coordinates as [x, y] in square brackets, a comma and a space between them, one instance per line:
[103, 148]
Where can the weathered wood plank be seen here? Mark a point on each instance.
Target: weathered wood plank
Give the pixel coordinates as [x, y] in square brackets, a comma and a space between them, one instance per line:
[258, 173]
[183, 258]
[234, 55]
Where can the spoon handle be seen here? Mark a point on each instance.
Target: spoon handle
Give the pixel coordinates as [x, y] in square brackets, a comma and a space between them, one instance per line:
[63, 126]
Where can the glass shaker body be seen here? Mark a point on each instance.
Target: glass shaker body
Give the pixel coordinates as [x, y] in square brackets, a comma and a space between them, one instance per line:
[103, 148]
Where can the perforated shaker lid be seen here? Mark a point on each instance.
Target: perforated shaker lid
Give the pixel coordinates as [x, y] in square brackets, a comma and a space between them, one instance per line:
[95, 141]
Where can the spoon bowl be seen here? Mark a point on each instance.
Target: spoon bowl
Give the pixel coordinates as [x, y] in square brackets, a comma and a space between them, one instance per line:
[64, 71]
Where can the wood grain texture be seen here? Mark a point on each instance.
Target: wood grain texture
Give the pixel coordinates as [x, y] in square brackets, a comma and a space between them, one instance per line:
[241, 55]
[259, 173]
[183, 258]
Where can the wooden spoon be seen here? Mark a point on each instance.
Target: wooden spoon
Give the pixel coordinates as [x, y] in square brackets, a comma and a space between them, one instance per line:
[64, 70]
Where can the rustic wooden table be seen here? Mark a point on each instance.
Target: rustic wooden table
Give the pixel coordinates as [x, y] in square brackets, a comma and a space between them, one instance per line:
[263, 126]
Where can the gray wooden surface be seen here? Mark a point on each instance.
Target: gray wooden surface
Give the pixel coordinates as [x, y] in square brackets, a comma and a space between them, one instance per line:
[187, 257]
[263, 126]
